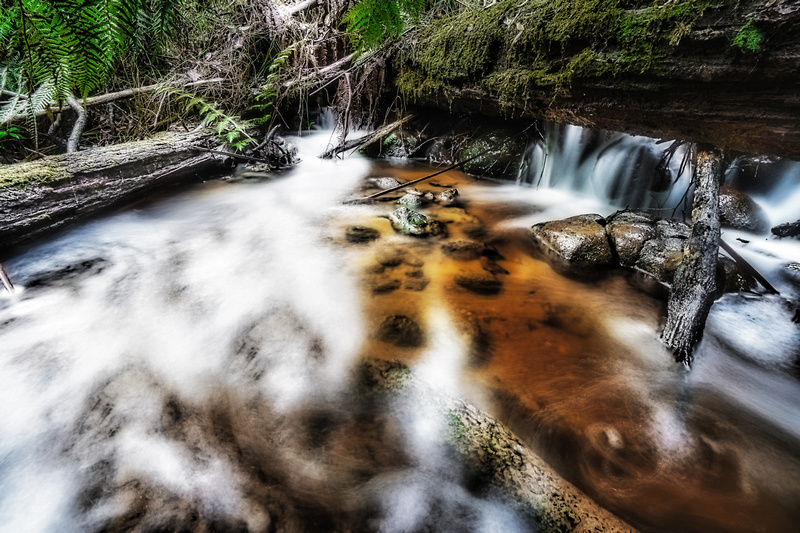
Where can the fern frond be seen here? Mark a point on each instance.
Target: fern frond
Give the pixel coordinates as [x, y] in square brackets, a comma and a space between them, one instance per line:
[230, 128]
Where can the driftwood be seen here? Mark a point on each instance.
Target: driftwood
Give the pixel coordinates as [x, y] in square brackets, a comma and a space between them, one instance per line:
[367, 139]
[693, 288]
[40, 196]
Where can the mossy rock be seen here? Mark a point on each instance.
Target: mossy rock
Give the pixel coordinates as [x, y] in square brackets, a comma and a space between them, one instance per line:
[499, 152]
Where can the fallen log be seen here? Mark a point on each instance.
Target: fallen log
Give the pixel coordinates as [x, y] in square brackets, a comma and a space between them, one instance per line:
[38, 197]
[692, 292]
[491, 451]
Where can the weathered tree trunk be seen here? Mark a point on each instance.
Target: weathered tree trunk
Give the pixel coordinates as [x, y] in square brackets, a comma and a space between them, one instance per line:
[693, 288]
[40, 196]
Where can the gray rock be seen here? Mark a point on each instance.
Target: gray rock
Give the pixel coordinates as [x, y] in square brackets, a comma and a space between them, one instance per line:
[579, 241]
[382, 183]
[401, 331]
[739, 211]
[410, 222]
[628, 231]
[662, 254]
[361, 234]
[412, 200]
[448, 197]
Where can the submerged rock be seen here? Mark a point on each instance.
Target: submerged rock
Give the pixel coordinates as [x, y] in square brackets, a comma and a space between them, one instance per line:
[578, 241]
[483, 283]
[361, 234]
[739, 211]
[410, 222]
[464, 250]
[401, 331]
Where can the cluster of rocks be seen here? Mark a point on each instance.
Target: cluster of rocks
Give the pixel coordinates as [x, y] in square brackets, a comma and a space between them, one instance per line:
[637, 240]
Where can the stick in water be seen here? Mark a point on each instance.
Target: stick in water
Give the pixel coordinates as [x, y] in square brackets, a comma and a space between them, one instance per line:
[6, 280]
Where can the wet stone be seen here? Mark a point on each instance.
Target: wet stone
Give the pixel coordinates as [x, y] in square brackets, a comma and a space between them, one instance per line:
[415, 273]
[410, 222]
[479, 283]
[661, 255]
[386, 286]
[412, 200]
[361, 234]
[401, 331]
[382, 183]
[628, 231]
[416, 284]
[789, 229]
[391, 258]
[578, 241]
[464, 250]
[448, 197]
[739, 211]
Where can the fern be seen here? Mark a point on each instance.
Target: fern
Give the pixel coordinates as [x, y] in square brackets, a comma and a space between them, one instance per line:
[371, 22]
[268, 93]
[231, 129]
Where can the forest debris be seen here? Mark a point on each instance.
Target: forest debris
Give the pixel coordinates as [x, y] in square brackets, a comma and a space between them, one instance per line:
[366, 140]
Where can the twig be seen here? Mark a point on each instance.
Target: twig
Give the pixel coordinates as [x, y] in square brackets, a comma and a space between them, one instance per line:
[6, 280]
[747, 267]
[451, 167]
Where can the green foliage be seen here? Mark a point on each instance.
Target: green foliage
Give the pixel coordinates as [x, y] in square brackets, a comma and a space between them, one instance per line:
[268, 92]
[749, 38]
[512, 47]
[371, 22]
[231, 129]
[11, 133]
[57, 47]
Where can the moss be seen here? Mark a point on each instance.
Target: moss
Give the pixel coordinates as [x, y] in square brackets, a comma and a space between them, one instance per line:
[512, 47]
[24, 175]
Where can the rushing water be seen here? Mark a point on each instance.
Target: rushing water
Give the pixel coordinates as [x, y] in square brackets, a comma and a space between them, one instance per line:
[192, 364]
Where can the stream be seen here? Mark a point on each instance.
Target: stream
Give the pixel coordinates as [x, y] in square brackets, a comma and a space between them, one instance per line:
[192, 363]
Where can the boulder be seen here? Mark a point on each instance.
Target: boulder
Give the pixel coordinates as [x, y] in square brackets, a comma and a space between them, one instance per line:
[661, 255]
[628, 231]
[739, 211]
[410, 222]
[381, 182]
[579, 241]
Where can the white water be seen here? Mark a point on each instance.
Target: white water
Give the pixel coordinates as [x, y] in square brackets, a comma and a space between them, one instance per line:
[237, 308]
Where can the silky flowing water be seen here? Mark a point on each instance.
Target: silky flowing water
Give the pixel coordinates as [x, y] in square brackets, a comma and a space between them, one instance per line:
[195, 364]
